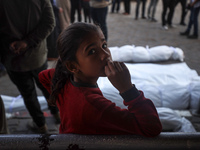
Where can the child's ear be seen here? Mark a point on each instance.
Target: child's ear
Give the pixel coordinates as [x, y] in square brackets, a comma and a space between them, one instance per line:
[72, 67]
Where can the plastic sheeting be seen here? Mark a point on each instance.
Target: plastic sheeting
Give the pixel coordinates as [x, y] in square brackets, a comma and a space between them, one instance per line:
[132, 53]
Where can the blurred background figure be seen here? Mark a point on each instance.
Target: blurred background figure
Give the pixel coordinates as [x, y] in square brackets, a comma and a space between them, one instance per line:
[52, 38]
[127, 7]
[99, 11]
[115, 6]
[152, 10]
[86, 10]
[167, 17]
[184, 10]
[193, 21]
[76, 7]
[138, 8]
[66, 13]
[24, 27]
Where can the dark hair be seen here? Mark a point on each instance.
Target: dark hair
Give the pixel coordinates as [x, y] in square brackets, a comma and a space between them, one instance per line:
[67, 44]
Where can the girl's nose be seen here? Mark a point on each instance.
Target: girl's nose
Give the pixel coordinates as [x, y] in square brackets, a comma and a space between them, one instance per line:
[105, 54]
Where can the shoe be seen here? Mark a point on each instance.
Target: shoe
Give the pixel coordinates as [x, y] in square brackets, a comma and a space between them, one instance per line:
[165, 27]
[184, 33]
[136, 18]
[192, 36]
[32, 126]
[57, 118]
[153, 20]
[143, 17]
[125, 13]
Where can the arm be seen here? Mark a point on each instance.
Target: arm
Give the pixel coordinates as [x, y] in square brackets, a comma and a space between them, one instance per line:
[44, 28]
[141, 117]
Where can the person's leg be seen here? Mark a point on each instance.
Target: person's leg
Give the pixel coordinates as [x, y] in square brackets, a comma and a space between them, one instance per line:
[183, 4]
[118, 5]
[155, 2]
[113, 6]
[196, 14]
[26, 86]
[143, 8]
[53, 109]
[72, 11]
[78, 7]
[3, 122]
[171, 12]
[149, 9]
[164, 11]
[137, 9]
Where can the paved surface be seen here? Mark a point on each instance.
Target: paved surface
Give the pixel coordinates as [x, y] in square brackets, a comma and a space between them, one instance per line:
[124, 30]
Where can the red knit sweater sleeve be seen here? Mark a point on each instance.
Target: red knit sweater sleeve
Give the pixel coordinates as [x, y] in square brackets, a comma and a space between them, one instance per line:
[45, 77]
[140, 118]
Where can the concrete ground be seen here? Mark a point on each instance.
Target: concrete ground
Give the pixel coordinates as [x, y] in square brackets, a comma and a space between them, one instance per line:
[124, 30]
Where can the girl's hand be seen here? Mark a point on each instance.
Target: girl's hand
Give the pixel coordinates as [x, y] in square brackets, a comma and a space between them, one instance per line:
[119, 76]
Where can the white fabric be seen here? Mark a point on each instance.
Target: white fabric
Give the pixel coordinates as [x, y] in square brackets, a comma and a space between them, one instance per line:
[132, 53]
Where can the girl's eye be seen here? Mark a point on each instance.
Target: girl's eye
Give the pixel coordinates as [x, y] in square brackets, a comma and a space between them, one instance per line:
[104, 45]
[91, 52]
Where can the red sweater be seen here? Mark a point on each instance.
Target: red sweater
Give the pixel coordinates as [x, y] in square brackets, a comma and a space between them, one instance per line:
[84, 110]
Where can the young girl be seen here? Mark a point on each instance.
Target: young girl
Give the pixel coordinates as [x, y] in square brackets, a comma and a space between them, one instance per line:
[84, 57]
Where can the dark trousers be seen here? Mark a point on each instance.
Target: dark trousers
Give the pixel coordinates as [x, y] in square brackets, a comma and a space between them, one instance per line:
[114, 3]
[25, 82]
[138, 7]
[183, 5]
[168, 4]
[193, 20]
[127, 6]
[75, 5]
[99, 17]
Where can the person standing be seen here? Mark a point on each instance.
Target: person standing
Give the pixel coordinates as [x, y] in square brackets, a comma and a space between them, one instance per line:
[99, 11]
[167, 4]
[24, 27]
[127, 7]
[117, 4]
[138, 7]
[193, 21]
[183, 14]
[75, 6]
[86, 9]
[152, 10]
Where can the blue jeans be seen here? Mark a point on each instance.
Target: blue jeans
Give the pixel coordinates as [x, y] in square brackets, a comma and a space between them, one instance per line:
[99, 17]
[194, 12]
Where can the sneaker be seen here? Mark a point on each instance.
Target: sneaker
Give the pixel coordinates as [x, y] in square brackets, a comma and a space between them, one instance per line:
[165, 27]
[57, 118]
[192, 36]
[32, 126]
[183, 24]
[184, 33]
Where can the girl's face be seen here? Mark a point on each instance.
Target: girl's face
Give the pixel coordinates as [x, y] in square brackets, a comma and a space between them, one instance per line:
[92, 57]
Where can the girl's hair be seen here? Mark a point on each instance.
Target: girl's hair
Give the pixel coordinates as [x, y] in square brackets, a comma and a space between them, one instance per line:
[67, 45]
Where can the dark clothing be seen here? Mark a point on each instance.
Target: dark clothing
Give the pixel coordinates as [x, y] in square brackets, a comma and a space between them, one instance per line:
[138, 7]
[30, 21]
[86, 10]
[183, 14]
[127, 6]
[52, 38]
[193, 21]
[22, 20]
[168, 4]
[114, 3]
[99, 16]
[75, 6]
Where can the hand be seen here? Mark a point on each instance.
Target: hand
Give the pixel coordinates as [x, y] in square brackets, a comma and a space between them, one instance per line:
[119, 76]
[18, 46]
